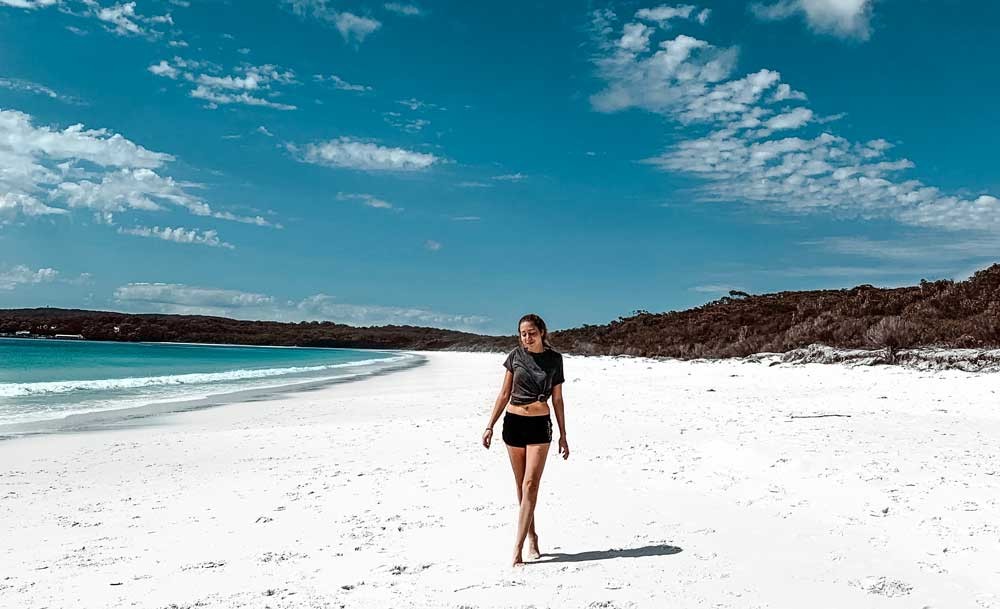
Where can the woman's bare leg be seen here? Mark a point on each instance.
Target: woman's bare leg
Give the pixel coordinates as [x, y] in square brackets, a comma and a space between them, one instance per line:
[534, 464]
[517, 462]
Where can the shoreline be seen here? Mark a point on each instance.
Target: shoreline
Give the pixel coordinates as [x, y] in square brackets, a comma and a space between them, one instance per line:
[132, 416]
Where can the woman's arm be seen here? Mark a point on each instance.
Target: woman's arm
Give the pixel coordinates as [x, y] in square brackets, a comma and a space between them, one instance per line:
[502, 398]
[557, 403]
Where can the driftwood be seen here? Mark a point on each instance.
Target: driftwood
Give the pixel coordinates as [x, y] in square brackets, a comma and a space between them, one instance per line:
[817, 416]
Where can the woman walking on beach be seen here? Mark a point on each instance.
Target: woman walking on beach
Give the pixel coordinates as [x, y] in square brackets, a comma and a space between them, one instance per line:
[534, 373]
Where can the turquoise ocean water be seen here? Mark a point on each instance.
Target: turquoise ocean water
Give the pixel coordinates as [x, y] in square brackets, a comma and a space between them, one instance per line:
[47, 380]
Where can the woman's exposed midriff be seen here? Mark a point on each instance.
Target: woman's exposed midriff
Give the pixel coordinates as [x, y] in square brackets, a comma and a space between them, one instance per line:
[534, 409]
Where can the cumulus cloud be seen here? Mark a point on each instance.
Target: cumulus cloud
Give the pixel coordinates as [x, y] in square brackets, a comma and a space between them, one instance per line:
[179, 235]
[123, 20]
[28, 4]
[351, 26]
[46, 171]
[12, 277]
[793, 119]
[191, 300]
[742, 157]
[355, 27]
[248, 84]
[165, 69]
[18, 204]
[844, 18]
[350, 153]
[664, 13]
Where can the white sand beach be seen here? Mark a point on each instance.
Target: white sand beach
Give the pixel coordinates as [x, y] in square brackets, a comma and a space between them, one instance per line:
[689, 485]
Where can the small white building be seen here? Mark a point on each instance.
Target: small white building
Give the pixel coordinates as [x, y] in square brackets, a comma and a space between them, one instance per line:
[22, 333]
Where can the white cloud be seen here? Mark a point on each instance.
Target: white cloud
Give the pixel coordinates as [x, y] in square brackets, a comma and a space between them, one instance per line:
[249, 85]
[183, 299]
[216, 98]
[432, 245]
[16, 204]
[635, 37]
[784, 92]
[510, 177]
[179, 235]
[664, 13]
[920, 249]
[845, 18]
[16, 84]
[264, 131]
[340, 83]
[181, 296]
[353, 26]
[793, 119]
[46, 171]
[691, 81]
[356, 154]
[369, 200]
[350, 26]
[28, 4]
[409, 125]
[12, 277]
[165, 69]
[399, 8]
[120, 18]
[415, 104]
[126, 22]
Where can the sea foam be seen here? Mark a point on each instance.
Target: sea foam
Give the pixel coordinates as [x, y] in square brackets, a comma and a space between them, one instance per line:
[9, 390]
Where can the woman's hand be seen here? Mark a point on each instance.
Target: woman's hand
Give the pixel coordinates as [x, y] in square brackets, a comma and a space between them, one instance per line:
[487, 437]
[563, 448]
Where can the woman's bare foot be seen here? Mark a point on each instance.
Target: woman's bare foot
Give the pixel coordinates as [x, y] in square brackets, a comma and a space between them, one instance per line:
[518, 561]
[533, 552]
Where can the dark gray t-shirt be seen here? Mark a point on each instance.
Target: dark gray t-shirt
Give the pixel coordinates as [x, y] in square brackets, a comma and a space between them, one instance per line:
[535, 374]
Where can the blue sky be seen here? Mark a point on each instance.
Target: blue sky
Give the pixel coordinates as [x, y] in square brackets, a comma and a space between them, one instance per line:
[458, 164]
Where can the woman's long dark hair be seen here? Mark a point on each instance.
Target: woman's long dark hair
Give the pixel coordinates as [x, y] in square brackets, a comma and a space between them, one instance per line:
[539, 323]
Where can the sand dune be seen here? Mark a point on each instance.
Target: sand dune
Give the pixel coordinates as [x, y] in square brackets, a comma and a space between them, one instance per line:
[689, 485]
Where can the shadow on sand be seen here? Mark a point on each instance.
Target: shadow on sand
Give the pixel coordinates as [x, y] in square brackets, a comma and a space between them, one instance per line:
[657, 550]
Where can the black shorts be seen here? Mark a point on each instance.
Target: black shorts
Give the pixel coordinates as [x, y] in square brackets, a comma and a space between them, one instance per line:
[519, 430]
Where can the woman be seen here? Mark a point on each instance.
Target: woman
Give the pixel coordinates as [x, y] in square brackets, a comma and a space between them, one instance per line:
[534, 373]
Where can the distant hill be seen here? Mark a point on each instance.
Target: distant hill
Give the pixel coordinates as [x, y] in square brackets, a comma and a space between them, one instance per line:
[939, 313]
[126, 327]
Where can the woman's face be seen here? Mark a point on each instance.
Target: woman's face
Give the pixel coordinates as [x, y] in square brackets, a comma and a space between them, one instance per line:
[531, 338]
